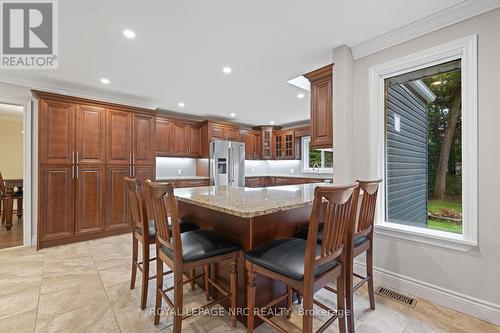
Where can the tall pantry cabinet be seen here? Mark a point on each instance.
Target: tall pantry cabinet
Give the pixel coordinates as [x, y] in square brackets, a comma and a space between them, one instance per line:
[86, 148]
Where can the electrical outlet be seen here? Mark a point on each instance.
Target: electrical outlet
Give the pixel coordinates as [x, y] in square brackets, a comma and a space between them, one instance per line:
[179, 172]
[253, 170]
[292, 170]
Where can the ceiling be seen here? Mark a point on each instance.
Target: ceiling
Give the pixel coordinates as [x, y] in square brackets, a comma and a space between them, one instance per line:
[11, 111]
[181, 47]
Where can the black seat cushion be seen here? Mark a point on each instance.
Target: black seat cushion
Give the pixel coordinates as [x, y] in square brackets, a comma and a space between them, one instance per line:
[200, 244]
[302, 233]
[286, 257]
[185, 225]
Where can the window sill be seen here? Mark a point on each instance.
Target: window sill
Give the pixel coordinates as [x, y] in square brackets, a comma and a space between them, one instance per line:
[425, 236]
[321, 172]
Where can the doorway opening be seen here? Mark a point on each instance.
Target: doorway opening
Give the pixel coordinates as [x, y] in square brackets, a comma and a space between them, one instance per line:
[11, 175]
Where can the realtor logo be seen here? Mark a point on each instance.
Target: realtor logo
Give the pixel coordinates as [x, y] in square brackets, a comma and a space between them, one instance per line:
[29, 34]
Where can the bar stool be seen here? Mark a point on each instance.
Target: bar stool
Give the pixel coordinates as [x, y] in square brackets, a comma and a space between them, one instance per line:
[186, 252]
[305, 265]
[144, 232]
[360, 240]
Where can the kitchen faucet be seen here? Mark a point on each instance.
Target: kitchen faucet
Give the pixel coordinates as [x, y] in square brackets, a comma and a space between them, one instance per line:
[316, 165]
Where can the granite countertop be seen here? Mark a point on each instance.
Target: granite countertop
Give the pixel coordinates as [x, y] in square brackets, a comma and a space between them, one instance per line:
[249, 202]
[181, 178]
[295, 175]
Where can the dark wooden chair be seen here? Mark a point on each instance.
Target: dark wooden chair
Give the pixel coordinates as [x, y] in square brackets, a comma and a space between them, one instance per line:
[144, 233]
[7, 198]
[305, 265]
[360, 239]
[187, 252]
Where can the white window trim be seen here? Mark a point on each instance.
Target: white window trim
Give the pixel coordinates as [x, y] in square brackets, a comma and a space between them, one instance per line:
[466, 50]
[305, 158]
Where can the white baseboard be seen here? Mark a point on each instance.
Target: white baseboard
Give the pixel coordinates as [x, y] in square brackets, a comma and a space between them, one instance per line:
[471, 306]
[33, 240]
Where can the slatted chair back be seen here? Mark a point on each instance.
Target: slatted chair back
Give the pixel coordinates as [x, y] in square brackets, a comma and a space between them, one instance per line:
[339, 204]
[163, 205]
[367, 206]
[137, 204]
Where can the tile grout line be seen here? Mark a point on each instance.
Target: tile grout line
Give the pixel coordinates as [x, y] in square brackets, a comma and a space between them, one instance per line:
[104, 288]
[39, 293]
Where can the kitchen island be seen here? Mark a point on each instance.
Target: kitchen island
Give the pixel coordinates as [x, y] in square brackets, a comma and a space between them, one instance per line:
[250, 217]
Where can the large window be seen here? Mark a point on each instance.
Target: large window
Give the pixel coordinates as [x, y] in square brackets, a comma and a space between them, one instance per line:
[424, 148]
[423, 128]
[316, 160]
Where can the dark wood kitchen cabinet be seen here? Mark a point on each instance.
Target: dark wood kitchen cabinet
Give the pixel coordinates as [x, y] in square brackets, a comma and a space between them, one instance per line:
[86, 148]
[215, 130]
[90, 199]
[284, 145]
[321, 107]
[163, 137]
[251, 138]
[177, 138]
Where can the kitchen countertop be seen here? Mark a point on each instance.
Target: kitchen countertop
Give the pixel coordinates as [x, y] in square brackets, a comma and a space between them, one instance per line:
[249, 202]
[293, 175]
[182, 178]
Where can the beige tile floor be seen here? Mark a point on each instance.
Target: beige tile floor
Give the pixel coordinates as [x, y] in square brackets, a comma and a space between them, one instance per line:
[84, 287]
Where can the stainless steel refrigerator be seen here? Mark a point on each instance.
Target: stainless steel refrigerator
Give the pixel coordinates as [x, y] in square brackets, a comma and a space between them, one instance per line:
[227, 163]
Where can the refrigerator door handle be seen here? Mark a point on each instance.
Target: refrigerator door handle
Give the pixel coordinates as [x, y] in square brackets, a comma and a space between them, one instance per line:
[229, 165]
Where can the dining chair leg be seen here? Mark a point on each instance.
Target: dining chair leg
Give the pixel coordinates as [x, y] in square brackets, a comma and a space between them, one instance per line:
[19, 207]
[341, 303]
[206, 271]
[145, 275]
[234, 287]
[192, 277]
[178, 301]
[307, 316]
[250, 298]
[349, 297]
[369, 274]
[159, 288]
[289, 301]
[135, 250]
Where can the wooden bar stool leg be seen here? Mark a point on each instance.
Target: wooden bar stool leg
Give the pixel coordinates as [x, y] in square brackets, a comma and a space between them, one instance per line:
[234, 287]
[349, 295]
[289, 301]
[178, 301]
[145, 275]
[192, 277]
[206, 270]
[135, 250]
[250, 298]
[369, 274]
[307, 317]
[341, 303]
[159, 288]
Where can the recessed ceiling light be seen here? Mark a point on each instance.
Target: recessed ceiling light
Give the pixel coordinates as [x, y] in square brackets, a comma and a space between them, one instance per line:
[271, 122]
[227, 70]
[105, 81]
[232, 114]
[181, 105]
[436, 83]
[301, 95]
[129, 34]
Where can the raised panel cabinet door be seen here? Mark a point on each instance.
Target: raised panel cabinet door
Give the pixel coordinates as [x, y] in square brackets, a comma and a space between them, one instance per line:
[232, 133]
[247, 138]
[56, 202]
[117, 214]
[257, 146]
[162, 137]
[321, 113]
[145, 172]
[90, 131]
[180, 139]
[194, 141]
[56, 132]
[217, 132]
[119, 132]
[143, 139]
[90, 194]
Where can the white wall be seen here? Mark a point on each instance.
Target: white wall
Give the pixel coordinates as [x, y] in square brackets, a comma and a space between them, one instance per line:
[475, 274]
[11, 147]
[170, 166]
